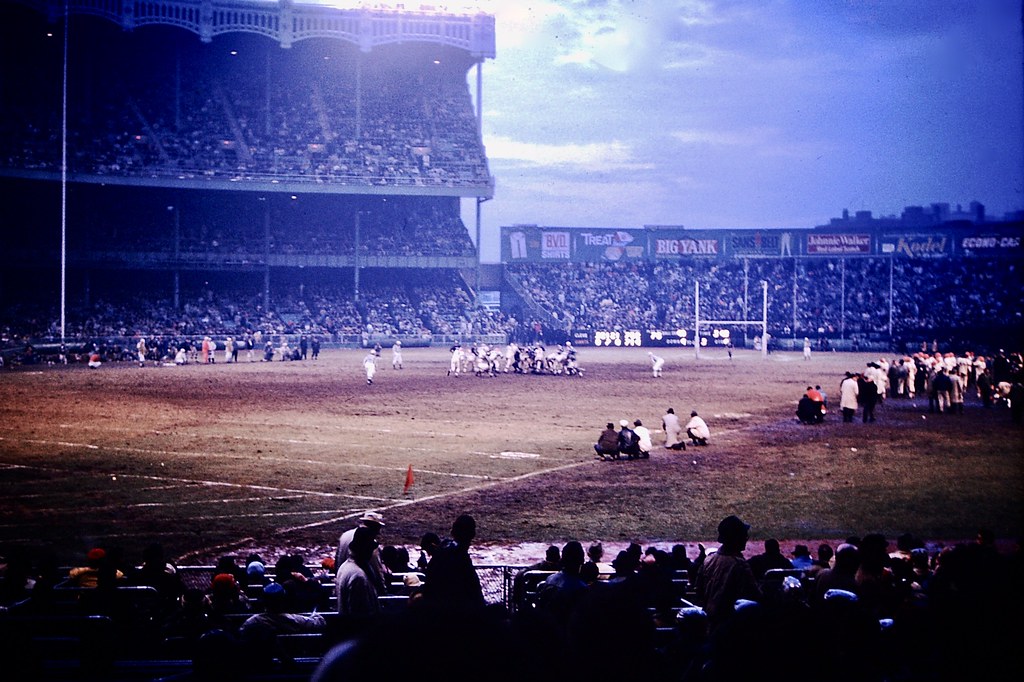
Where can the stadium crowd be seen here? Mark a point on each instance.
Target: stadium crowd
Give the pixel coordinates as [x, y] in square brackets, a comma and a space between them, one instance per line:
[176, 111]
[821, 298]
[863, 609]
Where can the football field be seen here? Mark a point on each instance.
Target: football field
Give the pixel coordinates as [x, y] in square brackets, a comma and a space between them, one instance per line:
[224, 458]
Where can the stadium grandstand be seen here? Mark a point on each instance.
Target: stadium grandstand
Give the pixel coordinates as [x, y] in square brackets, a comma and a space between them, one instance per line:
[927, 277]
[234, 166]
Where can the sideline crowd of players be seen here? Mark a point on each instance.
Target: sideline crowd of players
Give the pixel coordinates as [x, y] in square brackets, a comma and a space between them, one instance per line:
[943, 379]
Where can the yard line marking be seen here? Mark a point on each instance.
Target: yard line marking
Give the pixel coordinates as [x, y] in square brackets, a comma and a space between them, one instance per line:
[260, 458]
[225, 484]
[440, 496]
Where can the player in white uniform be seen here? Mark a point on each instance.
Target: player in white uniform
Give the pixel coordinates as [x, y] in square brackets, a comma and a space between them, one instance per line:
[657, 362]
[396, 355]
[370, 365]
[141, 348]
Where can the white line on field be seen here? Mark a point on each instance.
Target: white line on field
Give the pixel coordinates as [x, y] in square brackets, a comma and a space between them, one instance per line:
[441, 496]
[261, 458]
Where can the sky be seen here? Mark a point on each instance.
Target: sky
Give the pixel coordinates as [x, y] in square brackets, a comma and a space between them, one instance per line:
[746, 113]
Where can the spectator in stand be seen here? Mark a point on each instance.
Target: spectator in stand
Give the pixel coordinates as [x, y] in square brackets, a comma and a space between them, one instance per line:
[260, 630]
[772, 557]
[560, 593]
[551, 562]
[876, 584]
[725, 576]
[303, 591]
[452, 582]
[801, 557]
[824, 559]
[160, 574]
[355, 587]
[841, 576]
[98, 568]
[225, 598]
[378, 572]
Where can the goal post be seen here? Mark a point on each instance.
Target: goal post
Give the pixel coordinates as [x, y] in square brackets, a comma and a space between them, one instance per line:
[763, 322]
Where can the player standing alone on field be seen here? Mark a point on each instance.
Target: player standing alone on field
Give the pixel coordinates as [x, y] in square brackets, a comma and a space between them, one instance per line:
[657, 362]
[807, 348]
[370, 365]
[141, 348]
[396, 355]
[456, 361]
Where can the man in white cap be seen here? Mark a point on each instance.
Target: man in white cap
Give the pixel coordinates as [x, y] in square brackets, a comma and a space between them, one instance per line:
[378, 573]
[629, 442]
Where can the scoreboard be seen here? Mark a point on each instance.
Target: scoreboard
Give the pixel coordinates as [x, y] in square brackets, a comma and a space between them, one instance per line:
[637, 338]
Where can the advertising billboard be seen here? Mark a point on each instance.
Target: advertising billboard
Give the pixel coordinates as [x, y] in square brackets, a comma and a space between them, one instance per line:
[609, 245]
[838, 244]
[934, 245]
[666, 244]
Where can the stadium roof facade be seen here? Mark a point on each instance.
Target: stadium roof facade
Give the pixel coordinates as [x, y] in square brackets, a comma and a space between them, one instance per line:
[288, 22]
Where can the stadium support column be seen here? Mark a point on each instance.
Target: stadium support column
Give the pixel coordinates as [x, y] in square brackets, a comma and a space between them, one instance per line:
[479, 200]
[794, 299]
[266, 253]
[355, 260]
[890, 296]
[479, 266]
[746, 291]
[842, 298]
[359, 96]
[175, 212]
[696, 319]
[764, 318]
[64, 182]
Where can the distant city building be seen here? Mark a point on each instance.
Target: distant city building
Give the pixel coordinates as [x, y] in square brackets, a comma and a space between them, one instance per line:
[922, 216]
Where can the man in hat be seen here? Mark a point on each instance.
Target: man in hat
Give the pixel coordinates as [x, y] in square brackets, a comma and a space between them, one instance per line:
[375, 523]
[725, 576]
[354, 586]
[802, 557]
[607, 445]
[629, 442]
[848, 392]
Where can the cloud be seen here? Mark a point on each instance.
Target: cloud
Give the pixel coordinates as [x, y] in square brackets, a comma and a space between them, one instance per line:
[721, 138]
[594, 156]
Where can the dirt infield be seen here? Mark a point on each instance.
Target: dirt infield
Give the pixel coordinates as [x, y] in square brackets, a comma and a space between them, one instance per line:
[223, 458]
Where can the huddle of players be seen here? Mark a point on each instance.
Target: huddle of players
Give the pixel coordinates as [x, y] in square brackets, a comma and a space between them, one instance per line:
[482, 359]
